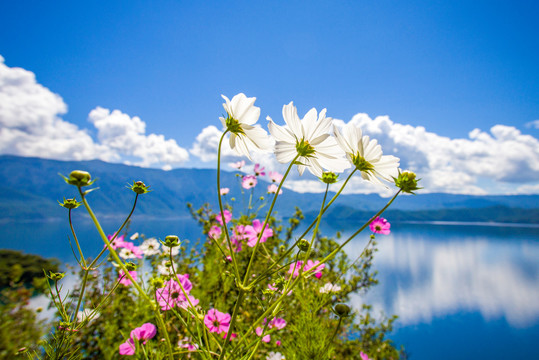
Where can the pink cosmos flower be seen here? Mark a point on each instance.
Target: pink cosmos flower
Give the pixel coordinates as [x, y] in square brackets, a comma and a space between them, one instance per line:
[228, 217]
[237, 165]
[215, 232]
[217, 321]
[277, 323]
[265, 338]
[185, 343]
[275, 176]
[124, 280]
[249, 181]
[364, 356]
[318, 271]
[253, 231]
[117, 243]
[310, 264]
[224, 191]
[172, 295]
[272, 189]
[380, 226]
[294, 268]
[128, 347]
[278, 343]
[144, 332]
[259, 170]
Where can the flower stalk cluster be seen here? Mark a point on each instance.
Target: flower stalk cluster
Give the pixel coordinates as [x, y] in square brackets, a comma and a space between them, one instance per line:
[230, 329]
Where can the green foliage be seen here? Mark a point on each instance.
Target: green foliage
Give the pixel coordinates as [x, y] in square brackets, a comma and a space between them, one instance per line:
[16, 267]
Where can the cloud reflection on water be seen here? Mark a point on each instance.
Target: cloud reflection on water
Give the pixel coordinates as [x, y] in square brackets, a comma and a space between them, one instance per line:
[425, 278]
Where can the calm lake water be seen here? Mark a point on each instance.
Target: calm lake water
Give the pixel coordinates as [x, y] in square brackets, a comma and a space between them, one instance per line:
[462, 291]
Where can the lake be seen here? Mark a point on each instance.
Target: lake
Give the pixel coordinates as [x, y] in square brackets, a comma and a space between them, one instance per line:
[462, 291]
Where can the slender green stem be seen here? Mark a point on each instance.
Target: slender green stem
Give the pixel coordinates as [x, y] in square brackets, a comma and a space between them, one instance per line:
[359, 230]
[116, 233]
[251, 260]
[333, 336]
[83, 260]
[225, 228]
[289, 251]
[81, 295]
[315, 231]
[232, 323]
[116, 258]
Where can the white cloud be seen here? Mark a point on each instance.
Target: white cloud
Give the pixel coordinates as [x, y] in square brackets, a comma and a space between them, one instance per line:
[126, 136]
[31, 125]
[504, 155]
[533, 124]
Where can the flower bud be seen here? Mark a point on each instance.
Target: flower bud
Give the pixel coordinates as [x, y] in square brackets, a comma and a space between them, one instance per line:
[56, 276]
[406, 181]
[130, 266]
[171, 241]
[79, 178]
[70, 203]
[342, 310]
[157, 283]
[329, 177]
[303, 245]
[139, 187]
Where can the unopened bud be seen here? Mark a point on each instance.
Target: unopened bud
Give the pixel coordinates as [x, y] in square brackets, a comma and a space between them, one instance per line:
[303, 245]
[329, 177]
[157, 283]
[79, 178]
[56, 276]
[130, 266]
[407, 182]
[342, 310]
[139, 187]
[171, 241]
[70, 203]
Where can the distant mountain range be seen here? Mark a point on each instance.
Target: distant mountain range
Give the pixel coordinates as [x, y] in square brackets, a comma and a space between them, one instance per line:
[30, 188]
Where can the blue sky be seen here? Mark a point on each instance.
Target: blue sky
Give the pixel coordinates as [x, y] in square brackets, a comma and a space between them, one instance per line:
[448, 66]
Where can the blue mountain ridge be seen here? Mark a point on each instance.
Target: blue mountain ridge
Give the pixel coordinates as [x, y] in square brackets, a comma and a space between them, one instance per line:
[31, 187]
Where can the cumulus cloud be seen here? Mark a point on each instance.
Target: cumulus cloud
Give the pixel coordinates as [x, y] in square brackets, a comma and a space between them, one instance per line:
[503, 155]
[126, 136]
[31, 125]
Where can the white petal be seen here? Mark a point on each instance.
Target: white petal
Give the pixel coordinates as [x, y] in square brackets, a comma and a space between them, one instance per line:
[280, 133]
[290, 115]
[285, 152]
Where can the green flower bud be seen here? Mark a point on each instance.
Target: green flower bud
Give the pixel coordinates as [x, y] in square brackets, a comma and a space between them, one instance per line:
[407, 182]
[130, 266]
[139, 187]
[342, 310]
[157, 282]
[56, 276]
[171, 241]
[79, 178]
[70, 203]
[329, 177]
[303, 245]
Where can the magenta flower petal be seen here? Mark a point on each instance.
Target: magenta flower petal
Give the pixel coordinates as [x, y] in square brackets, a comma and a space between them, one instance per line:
[127, 348]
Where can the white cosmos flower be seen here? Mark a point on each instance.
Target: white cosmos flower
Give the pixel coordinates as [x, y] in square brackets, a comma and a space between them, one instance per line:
[150, 247]
[366, 155]
[241, 117]
[87, 314]
[166, 267]
[309, 138]
[329, 287]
